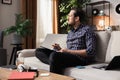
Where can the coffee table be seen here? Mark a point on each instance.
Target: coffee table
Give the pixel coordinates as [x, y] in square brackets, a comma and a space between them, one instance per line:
[4, 74]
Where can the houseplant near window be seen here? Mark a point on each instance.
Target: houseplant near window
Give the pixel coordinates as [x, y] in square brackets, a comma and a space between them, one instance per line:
[64, 8]
[22, 28]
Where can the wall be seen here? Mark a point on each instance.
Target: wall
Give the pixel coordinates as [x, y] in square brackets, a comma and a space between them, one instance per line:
[7, 18]
[115, 17]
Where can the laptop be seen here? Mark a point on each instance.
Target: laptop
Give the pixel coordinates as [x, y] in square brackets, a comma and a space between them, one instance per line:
[114, 64]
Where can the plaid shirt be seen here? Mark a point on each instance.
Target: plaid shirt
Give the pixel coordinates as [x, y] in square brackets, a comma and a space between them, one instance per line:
[82, 38]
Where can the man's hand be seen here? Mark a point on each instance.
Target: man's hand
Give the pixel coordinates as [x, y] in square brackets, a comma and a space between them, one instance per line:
[63, 50]
[56, 47]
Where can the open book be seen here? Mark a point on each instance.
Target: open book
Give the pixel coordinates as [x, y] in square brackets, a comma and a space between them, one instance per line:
[48, 48]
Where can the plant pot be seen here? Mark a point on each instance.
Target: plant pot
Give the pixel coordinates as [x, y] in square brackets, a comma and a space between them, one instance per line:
[17, 39]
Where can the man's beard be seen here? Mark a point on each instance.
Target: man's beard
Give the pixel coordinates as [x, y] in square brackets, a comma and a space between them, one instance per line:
[70, 26]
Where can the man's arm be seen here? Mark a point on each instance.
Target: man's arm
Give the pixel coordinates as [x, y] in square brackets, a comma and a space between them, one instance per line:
[78, 52]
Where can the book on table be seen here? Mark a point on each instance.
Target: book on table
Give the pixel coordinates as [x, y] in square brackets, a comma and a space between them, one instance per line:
[15, 75]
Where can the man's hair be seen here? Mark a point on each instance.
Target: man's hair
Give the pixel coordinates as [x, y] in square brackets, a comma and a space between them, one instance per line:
[80, 13]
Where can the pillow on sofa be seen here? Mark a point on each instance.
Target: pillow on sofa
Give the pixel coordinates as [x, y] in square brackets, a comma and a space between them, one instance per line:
[102, 43]
[113, 46]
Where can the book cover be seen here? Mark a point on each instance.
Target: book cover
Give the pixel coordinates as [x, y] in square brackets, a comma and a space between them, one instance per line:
[22, 75]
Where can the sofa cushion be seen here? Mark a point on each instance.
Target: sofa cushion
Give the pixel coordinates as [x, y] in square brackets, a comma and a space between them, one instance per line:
[52, 39]
[114, 46]
[92, 74]
[35, 62]
[102, 43]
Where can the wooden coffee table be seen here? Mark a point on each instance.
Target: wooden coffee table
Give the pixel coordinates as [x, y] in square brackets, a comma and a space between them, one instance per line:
[4, 74]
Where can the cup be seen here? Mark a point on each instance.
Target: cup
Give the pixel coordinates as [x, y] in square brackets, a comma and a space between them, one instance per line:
[19, 60]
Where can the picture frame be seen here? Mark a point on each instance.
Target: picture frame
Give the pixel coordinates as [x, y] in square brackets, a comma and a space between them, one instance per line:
[9, 2]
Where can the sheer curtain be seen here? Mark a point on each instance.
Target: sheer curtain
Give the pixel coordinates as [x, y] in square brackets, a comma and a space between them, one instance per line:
[44, 20]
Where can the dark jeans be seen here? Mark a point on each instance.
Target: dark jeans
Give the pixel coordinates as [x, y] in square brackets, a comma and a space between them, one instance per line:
[58, 61]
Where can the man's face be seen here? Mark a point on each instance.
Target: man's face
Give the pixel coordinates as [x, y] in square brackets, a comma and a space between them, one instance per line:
[71, 18]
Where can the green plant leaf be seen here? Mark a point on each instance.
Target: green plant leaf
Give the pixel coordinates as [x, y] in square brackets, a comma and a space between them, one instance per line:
[22, 26]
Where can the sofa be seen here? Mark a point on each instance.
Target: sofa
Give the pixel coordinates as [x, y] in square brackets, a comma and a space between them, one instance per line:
[108, 46]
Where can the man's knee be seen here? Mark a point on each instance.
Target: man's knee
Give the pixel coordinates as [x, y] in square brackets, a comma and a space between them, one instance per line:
[37, 52]
[54, 57]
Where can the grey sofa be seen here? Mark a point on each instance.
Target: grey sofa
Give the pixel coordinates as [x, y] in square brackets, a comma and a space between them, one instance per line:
[108, 46]
[3, 54]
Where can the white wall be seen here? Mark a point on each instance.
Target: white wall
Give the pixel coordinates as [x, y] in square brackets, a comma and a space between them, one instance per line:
[115, 17]
[7, 18]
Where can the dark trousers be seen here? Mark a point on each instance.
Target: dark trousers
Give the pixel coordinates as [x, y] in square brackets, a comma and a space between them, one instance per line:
[58, 61]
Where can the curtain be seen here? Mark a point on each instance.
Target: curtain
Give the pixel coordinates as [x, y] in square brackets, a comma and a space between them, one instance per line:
[29, 10]
[44, 19]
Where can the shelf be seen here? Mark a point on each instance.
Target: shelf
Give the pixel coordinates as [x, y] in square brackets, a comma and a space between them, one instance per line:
[99, 2]
[100, 16]
[95, 18]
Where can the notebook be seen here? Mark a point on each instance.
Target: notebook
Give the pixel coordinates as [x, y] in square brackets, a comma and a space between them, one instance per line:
[45, 47]
[114, 64]
[48, 48]
[22, 75]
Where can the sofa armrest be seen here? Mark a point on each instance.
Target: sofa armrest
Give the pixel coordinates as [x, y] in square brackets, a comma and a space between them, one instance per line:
[26, 53]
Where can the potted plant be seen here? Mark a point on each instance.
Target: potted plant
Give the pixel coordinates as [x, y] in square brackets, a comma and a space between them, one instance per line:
[22, 28]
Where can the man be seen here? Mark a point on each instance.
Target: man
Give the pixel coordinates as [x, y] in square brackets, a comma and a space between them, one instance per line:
[81, 44]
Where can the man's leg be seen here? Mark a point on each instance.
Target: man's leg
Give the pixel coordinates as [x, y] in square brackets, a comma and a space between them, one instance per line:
[43, 54]
[59, 61]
